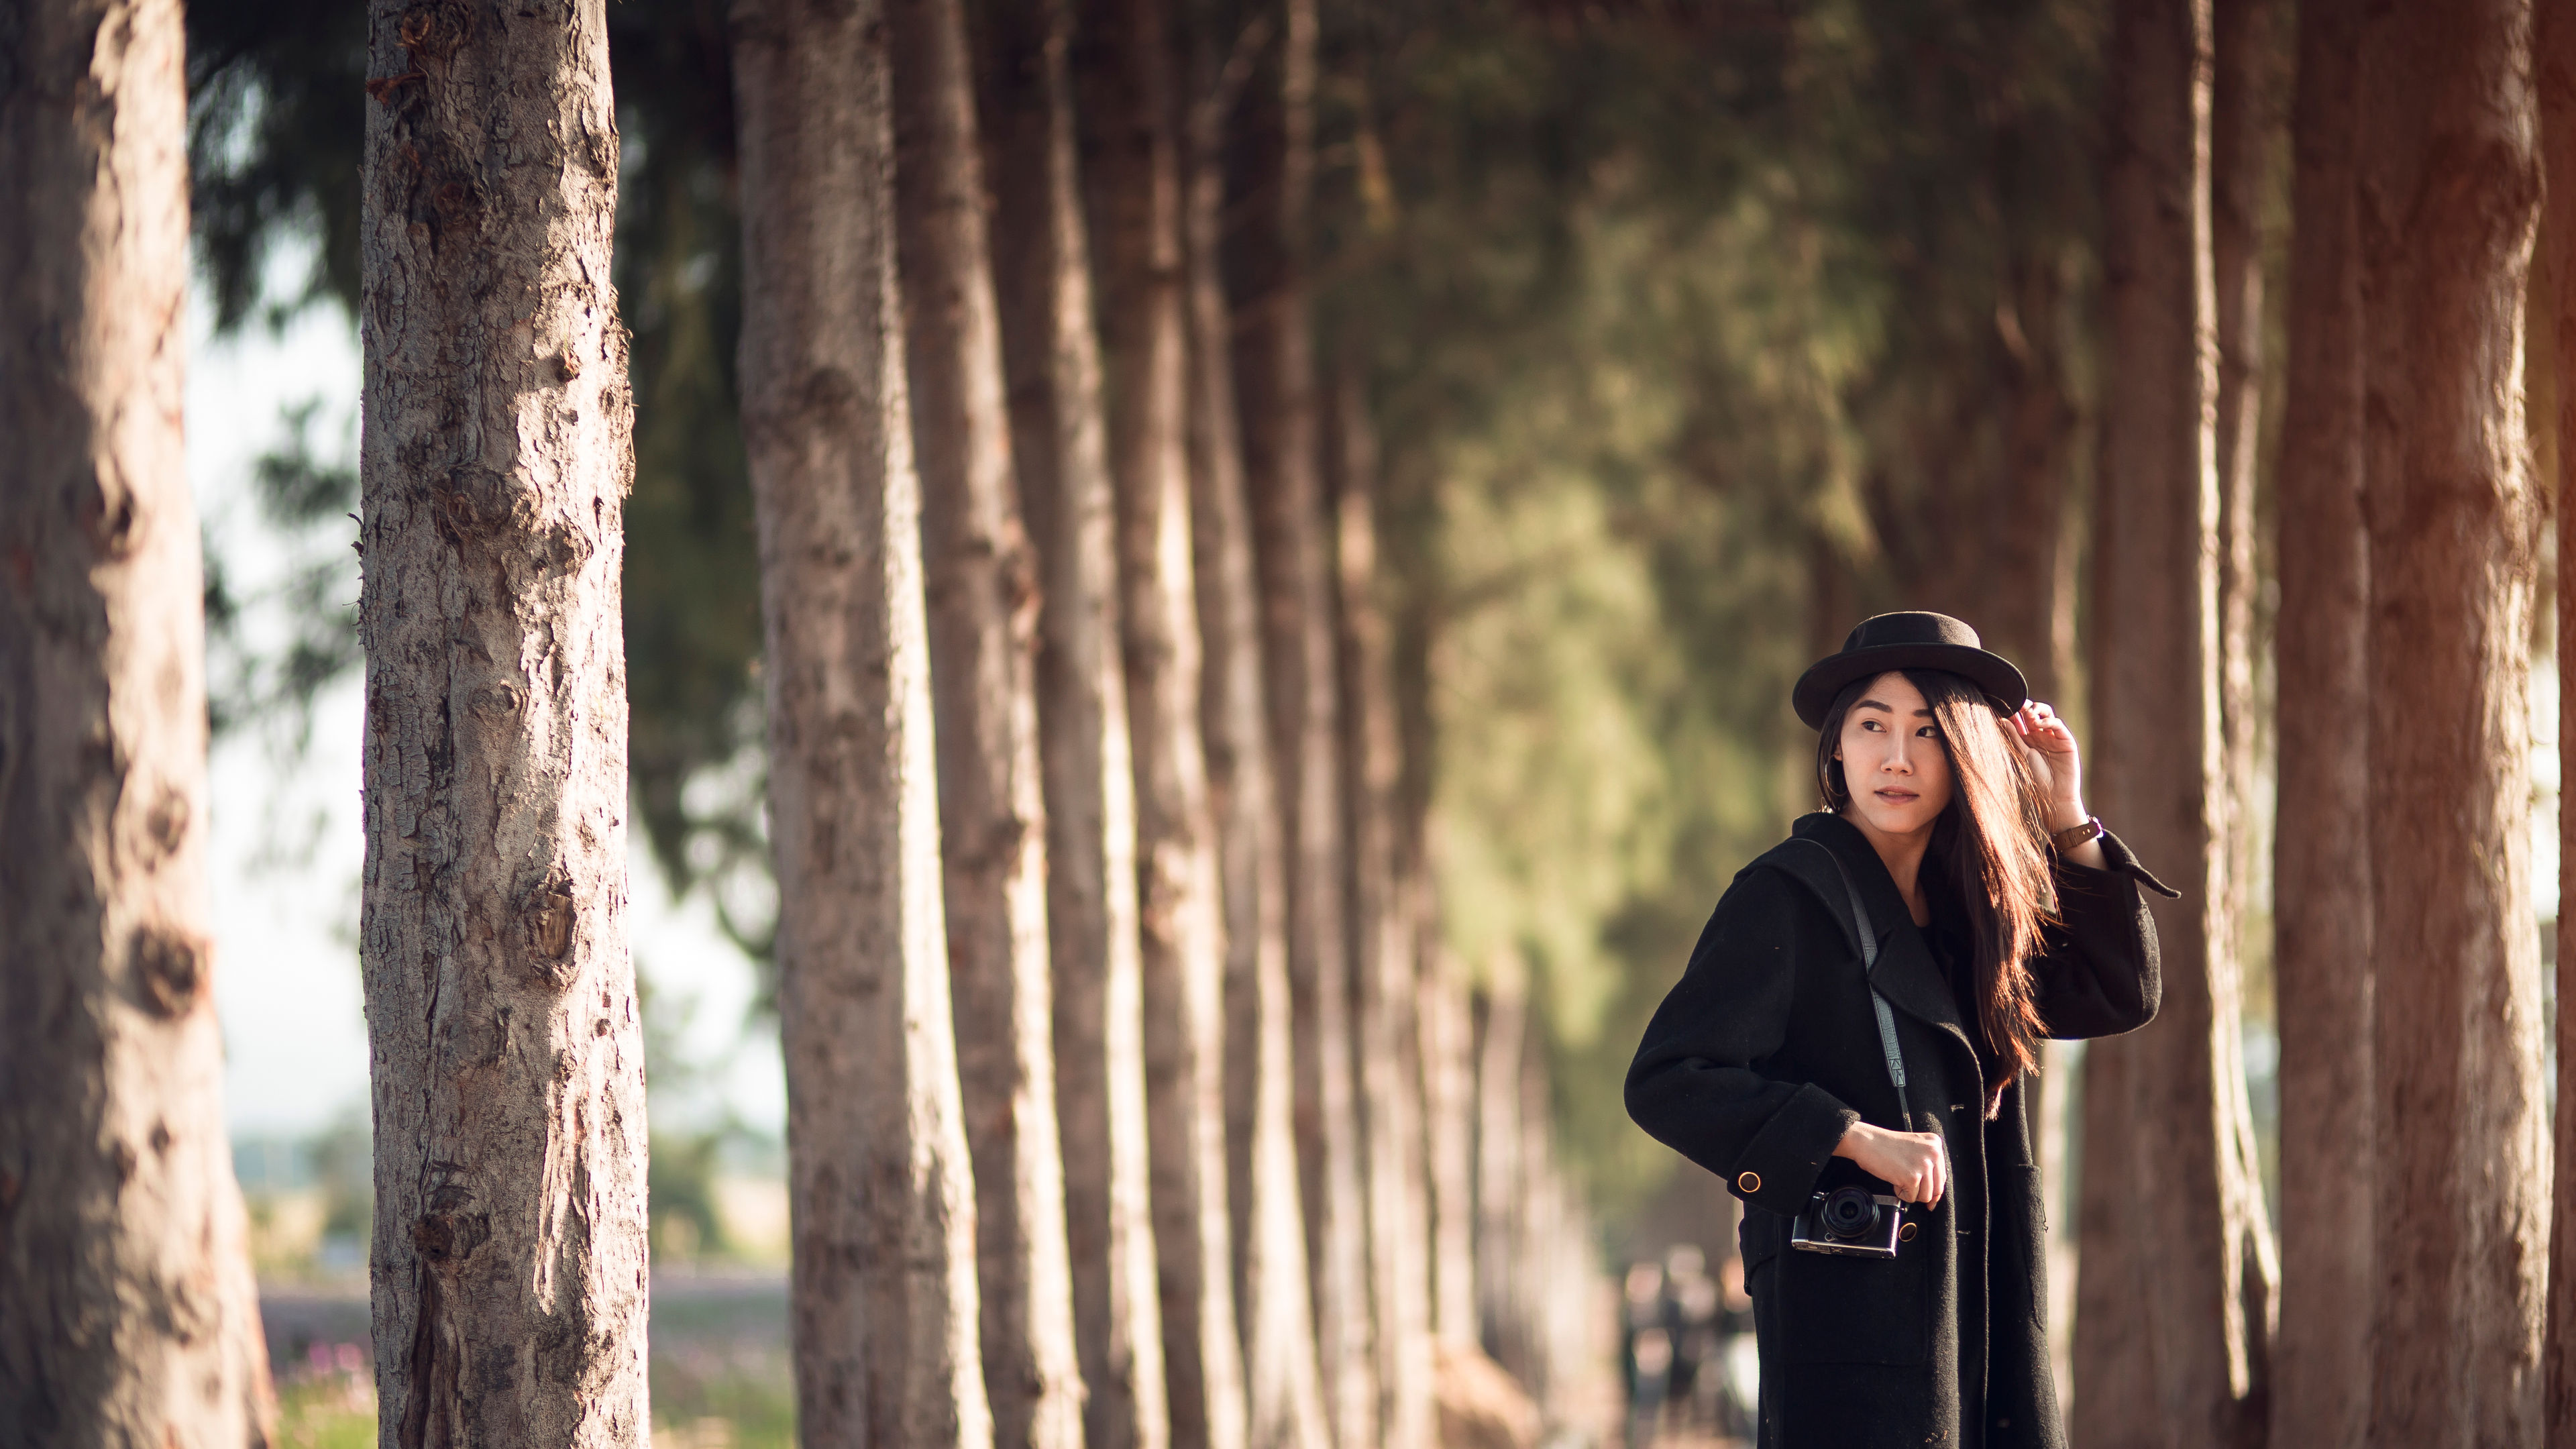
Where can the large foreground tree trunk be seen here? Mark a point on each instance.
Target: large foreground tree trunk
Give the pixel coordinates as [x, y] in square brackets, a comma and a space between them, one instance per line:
[127, 1310]
[508, 1066]
[2551, 329]
[1042, 272]
[1274, 370]
[2448, 192]
[1147, 343]
[2321, 960]
[982, 587]
[1284, 1406]
[883, 1290]
[2165, 1353]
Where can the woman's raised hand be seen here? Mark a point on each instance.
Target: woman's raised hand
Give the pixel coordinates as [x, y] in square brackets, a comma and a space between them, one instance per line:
[2050, 748]
[1916, 1164]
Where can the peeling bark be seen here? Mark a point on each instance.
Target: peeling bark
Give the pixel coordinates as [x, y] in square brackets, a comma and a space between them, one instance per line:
[883, 1287]
[128, 1314]
[509, 1258]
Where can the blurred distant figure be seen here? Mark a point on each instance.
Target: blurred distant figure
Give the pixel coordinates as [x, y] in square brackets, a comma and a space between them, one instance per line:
[1646, 1350]
[1690, 1321]
[1734, 1378]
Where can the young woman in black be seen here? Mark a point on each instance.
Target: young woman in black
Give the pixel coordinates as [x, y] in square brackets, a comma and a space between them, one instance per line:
[2001, 914]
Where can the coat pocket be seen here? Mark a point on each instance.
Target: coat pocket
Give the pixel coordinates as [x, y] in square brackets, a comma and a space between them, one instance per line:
[1836, 1309]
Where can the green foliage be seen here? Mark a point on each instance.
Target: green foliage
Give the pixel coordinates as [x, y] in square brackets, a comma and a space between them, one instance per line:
[305, 500]
[277, 114]
[1686, 326]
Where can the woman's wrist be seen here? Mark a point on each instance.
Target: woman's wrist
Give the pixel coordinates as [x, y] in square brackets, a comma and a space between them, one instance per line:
[2066, 815]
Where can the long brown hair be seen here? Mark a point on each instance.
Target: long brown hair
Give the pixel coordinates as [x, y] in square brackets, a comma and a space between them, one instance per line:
[1989, 842]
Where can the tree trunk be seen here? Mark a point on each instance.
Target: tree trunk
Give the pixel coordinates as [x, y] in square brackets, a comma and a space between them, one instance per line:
[2321, 958]
[509, 1250]
[2164, 1353]
[983, 601]
[2239, 183]
[1146, 337]
[1502, 1282]
[1449, 1105]
[883, 1290]
[2242, 125]
[127, 1310]
[2027, 597]
[1283, 1400]
[2448, 192]
[1381, 939]
[2551, 330]
[1043, 272]
[1274, 370]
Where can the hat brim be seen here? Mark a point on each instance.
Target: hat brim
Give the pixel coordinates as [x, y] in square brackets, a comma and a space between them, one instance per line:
[1997, 676]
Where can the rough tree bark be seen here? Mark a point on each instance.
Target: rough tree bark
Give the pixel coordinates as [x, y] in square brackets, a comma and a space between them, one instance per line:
[2171, 1212]
[1380, 937]
[1043, 271]
[1283, 1398]
[1146, 339]
[2449, 189]
[506, 1055]
[2321, 959]
[2551, 329]
[127, 1310]
[983, 602]
[1275, 388]
[883, 1289]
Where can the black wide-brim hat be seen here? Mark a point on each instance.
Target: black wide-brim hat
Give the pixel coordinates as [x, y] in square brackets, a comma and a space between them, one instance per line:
[1913, 640]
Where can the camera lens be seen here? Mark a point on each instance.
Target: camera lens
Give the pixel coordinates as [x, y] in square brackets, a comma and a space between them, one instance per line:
[1848, 1212]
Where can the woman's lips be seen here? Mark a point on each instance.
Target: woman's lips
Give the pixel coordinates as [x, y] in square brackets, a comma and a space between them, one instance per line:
[1898, 797]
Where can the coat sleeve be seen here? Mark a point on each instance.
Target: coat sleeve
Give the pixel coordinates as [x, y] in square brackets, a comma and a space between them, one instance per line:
[1698, 1084]
[2099, 975]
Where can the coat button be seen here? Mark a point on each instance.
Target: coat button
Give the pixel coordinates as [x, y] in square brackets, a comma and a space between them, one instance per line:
[1905, 1234]
[1748, 1182]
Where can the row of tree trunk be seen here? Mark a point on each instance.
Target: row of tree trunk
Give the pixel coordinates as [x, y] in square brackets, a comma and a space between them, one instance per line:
[2408, 1303]
[1130, 1100]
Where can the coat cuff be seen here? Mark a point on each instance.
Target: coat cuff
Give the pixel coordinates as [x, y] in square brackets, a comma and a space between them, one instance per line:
[1778, 1168]
[2123, 861]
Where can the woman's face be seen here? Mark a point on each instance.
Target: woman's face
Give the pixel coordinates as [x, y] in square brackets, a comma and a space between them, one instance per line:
[1893, 763]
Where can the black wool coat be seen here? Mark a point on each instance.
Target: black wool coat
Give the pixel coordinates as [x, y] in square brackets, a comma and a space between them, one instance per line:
[1767, 1052]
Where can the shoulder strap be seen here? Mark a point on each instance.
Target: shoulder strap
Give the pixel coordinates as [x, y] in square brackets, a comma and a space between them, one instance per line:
[1868, 967]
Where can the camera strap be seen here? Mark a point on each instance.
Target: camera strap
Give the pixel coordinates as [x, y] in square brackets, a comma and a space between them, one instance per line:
[1868, 971]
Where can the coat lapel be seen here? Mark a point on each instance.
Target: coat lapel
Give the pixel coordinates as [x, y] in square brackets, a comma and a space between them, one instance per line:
[1906, 974]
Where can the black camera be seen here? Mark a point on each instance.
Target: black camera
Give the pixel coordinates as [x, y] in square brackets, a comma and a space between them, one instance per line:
[1861, 1219]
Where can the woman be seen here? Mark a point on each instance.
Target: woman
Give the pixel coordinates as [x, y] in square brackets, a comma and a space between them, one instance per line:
[2001, 914]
